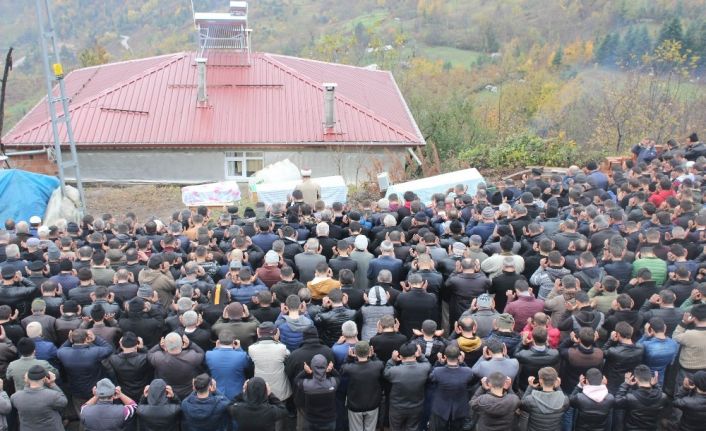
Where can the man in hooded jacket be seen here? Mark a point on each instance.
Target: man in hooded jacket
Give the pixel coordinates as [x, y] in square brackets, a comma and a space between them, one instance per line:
[159, 408]
[256, 408]
[317, 384]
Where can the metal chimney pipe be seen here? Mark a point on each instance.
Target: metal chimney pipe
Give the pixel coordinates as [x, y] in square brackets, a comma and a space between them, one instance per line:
[201, 95]
[329, 105]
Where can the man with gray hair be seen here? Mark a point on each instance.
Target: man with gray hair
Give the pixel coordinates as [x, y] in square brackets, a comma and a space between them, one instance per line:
[13, 260]
[176, 360]
[388, 261]
[306, 262]
[325, 240]
[191, 328]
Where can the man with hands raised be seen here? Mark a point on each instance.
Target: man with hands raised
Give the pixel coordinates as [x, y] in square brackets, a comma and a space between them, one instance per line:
[544, 401]
[495, 403]
[100, 413]
[642, 399]
[41, 403]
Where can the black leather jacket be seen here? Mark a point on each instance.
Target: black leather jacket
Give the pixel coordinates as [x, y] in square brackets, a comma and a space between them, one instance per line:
[620, 359]
[329, 323]
[693, 407]
[642, 406]
[531, 360]
[19, 296]
[131, 371]
[591, 415]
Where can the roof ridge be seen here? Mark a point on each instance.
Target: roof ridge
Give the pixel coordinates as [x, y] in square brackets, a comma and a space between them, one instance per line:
[172, 58]
[327, 62]
[362, 109]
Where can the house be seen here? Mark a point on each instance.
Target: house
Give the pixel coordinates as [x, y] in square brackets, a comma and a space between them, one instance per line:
[171, 118]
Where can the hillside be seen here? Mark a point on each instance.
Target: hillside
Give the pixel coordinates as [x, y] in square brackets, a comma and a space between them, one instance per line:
[551, 47]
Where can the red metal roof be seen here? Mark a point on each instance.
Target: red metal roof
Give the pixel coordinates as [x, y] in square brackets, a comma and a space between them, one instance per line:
[275, 100]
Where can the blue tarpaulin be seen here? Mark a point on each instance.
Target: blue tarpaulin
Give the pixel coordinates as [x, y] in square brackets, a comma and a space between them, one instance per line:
[24, 194]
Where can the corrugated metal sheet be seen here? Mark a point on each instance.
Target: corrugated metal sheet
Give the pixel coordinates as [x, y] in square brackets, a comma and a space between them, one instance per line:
[277, 99]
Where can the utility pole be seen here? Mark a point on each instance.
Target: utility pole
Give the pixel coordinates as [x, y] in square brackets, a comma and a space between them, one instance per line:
[54, 71]
[3, 87]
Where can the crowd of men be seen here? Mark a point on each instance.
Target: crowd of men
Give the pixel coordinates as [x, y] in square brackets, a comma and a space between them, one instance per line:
[570, 302]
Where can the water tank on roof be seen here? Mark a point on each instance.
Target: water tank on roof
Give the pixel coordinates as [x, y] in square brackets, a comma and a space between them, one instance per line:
[239, 8]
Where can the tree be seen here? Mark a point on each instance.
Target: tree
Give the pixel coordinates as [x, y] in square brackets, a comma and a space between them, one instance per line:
[558, 57]
[608, 49]
[93, 56]
[671, 30]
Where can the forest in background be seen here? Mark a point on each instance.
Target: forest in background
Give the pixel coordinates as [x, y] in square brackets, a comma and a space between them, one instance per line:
[493, 84]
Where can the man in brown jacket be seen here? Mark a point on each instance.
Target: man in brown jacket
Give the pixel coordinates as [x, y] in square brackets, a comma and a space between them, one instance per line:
[158, 276]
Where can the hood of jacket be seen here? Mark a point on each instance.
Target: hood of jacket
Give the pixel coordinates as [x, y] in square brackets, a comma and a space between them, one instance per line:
[649, 396]
[157, 393]
[548, 402]
[318, 366]
[588, 318]
[469, 344]
[150, 275]
[201, 408]
[596, 393]
[299, 324]
[256, 392]
[555, 273]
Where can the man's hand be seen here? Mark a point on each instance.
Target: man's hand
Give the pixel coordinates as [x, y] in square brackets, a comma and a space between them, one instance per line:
[90, 337]
[307, 369]
[531, 382]
[485, 384]
[688, 384]
[687, 319]
[395, 356]
[630, 379]
[329, 368]
[50, 378]
[655, 299]
[170, 391]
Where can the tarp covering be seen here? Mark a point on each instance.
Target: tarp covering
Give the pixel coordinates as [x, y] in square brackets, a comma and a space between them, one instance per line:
[223, 193]
[333, 189]
[24, 194]
[426, 187]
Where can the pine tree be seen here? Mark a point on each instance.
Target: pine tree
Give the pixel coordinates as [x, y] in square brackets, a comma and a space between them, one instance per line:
[627, 50]
[608, 50]
[558, 57]
[643, 42]
[671, 30]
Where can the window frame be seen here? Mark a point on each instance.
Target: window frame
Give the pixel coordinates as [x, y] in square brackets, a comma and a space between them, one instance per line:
[243, 158]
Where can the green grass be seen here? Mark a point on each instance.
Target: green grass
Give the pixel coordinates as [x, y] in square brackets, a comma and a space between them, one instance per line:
[457, 57]
[368, 20]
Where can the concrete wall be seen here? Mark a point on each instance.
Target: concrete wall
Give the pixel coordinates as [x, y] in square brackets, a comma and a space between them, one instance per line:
[183, 166]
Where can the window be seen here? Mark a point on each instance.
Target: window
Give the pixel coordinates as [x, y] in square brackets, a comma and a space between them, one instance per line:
[243, 164]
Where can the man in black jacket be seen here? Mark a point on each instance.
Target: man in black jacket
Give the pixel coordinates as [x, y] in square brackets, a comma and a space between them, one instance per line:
[691, 400]
[592, 402]
[464, 287]
[642, 399]
[415, 305]
[329, 322]
[533, 354]
[621, 355]
[364, 391]
[662, 306]
[16, 291]
[130, 369]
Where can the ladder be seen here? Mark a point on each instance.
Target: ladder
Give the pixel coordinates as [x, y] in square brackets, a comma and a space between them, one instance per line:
[53, 71]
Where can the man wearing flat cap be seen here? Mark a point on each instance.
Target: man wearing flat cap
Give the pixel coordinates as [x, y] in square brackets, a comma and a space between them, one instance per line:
[99, 412]
[311, 191]
[40, 404]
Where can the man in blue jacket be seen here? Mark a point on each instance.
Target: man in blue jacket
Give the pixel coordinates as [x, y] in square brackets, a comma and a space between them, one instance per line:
[452, 381]
[228, 364]
[81, 356]
[206, 408]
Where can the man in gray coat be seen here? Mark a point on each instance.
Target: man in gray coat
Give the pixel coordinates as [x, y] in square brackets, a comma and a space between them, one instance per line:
[362, 258]
[407, 371]
[306, 262]
[40, 403]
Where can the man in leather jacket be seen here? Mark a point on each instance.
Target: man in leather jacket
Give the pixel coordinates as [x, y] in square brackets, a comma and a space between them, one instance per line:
[641, 398]
[329, 322]
[592, 402]
[16, 291]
